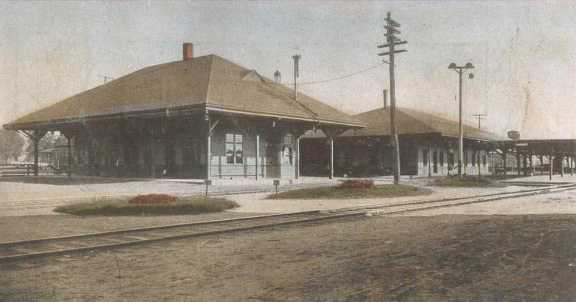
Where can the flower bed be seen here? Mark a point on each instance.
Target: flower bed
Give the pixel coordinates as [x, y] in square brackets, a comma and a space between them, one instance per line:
[153, 199]
[149, 206]
[356, 184]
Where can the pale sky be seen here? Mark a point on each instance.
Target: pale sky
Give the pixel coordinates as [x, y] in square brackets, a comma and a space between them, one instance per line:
[524, 52]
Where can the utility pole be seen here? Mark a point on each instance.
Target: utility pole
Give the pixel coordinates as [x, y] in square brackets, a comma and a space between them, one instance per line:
[479, 116]
[460, 70]
[391, 41]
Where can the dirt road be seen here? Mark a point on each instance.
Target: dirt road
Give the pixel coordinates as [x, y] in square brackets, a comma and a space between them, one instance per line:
[440, 258]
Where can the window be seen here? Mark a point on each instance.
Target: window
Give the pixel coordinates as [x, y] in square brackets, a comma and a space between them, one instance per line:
[233, 144]
[425, 157]
[287, 151]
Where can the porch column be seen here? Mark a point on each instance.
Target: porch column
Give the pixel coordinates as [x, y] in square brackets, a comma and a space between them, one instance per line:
[478, 158]
[504, 162]
[518, 167]
[208, 144]
[531, 164]
[541, 164]
[69, 135]
[257, 154]
[561, 165]
[331, 133]
[297, 158]
[331, 142]
[571, 162]
[69, 139]
[551, 166]
[429, 160]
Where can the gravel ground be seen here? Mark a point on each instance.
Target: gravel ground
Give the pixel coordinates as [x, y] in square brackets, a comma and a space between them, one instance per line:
[554, 203]
[441, 258]
[35, 227]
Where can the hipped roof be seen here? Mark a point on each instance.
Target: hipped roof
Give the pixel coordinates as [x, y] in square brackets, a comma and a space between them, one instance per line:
[410, 122]
[210, 82]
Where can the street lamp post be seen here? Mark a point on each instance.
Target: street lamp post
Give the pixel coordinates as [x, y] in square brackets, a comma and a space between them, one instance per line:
[460, 71]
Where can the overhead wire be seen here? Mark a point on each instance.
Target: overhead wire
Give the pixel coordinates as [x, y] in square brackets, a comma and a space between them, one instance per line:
[342, 76]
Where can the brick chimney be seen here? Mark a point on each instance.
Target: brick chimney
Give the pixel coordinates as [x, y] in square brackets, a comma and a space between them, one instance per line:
[187, 51]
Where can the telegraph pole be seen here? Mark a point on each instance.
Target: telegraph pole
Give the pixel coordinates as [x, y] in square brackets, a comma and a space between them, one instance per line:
[391, 41]
[480, 117]
[460, 70]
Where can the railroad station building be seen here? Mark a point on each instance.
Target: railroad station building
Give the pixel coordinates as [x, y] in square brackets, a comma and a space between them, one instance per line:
[200, 117]
[428, 147]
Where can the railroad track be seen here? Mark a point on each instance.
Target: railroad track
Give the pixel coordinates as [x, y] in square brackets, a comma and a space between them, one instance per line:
[20, 250]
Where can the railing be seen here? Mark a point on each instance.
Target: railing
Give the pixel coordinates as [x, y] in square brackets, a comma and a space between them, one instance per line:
[16, 169]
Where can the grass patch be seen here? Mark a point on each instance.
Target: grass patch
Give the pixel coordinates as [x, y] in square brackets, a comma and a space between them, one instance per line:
[345, 192]
[465, 181]
[122, 207]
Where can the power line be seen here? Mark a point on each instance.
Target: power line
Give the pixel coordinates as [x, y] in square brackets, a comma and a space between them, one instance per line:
[342, 76]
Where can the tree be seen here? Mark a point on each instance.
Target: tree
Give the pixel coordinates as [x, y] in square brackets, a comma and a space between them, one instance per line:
[11, 145]
[49, 141]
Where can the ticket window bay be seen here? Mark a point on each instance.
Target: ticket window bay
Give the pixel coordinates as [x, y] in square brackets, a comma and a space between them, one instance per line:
[233, 145]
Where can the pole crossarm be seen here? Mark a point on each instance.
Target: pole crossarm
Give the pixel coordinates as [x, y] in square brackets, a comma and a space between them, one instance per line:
[396, 51]
[390, 44]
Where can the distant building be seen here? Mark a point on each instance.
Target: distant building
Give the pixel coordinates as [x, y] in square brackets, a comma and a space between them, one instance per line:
[428, 147]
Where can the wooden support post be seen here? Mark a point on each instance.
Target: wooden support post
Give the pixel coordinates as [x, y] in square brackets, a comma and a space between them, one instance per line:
[36, 141]
[561, 165]
[331, 142]
[331, 133]
[551, 166]
[541, 164]
[571, 162]
[208, 155]
[297, 158]
[257, 155]
[518, 167]
[505, 161]
[69, 139]
[525, 164]
[531, 163]
[208, 144]
[478, 162]
[429, 160]
[69, 135]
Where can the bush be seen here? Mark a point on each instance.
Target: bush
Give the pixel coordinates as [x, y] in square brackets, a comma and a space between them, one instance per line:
[356, 184]
[123, 207]
[153, 199]
[381, 191]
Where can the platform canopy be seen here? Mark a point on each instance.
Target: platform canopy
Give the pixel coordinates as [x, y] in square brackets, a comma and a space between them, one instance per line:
[540, 146]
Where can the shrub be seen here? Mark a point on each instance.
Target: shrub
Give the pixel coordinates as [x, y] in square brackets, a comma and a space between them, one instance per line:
[356, 184]
[153, 199]
[119, 207]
